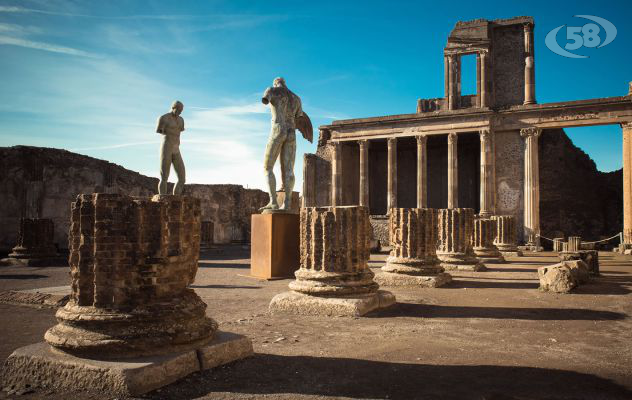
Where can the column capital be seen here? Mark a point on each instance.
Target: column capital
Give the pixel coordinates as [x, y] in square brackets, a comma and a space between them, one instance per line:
[484, 134]
[421, 139]
[391, 141]
[626, 125]
[531, 131]
[528, 26]
[452, 137]
[364, 143]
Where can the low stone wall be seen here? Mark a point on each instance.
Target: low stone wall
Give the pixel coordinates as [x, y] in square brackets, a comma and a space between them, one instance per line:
[43, 182]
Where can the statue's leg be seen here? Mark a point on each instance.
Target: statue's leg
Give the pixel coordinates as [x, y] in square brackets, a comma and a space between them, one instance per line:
[273, 148]
[165, 167]
[288, 156]
[178, 165]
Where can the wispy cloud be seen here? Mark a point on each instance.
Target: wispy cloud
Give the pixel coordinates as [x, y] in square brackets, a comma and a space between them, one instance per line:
[221, 21]
[16, 41]
[115, 146]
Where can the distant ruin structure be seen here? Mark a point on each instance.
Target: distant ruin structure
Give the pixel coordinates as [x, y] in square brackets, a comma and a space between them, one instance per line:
[478, 151]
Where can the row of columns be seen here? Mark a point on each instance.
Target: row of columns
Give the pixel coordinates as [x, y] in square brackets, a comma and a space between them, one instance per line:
[487, 176]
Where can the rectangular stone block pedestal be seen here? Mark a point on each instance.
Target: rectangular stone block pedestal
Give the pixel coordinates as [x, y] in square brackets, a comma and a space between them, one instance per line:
[41, 366]
[274, 250]
[351, 306]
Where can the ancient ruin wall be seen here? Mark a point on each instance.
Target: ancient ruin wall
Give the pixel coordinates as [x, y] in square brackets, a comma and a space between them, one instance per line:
[575, 198]
[509, 149]
[43, 182]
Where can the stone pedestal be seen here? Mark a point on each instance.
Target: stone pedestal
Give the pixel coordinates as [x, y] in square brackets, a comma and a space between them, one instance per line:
[484, 235]
[505, 239]
[455, 228]
[334, 278]
[413, 259]
[274, 251]
[35, 245]
[131, 262]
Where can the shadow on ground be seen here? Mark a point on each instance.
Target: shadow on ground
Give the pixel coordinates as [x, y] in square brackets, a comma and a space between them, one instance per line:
[459, 283]
[267, 374]
[22, 276]
[223, 287]
[536, 314]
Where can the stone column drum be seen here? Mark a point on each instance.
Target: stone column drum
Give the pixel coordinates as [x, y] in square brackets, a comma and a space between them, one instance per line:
[35, 241]
[131, 261]
[413, 259]
[557, 244]
[484, 235]
[505, 239]
[334, 277]
[455, 228]
[132, 323]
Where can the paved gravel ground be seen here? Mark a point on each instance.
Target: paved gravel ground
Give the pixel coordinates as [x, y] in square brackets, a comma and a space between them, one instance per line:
[488, 335]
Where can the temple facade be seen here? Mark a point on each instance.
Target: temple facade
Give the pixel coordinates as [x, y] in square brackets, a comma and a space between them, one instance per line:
[461, 151]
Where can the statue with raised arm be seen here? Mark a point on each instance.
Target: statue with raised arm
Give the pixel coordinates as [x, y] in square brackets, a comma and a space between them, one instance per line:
[170, 126]
[287, 116]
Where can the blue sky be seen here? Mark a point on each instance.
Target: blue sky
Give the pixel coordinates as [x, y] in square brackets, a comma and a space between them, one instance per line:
[92, 77]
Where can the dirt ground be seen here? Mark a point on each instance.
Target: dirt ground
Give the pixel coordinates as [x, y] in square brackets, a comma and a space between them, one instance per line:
[488, 335]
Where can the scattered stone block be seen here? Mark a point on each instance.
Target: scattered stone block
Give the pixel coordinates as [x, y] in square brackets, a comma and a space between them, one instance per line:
[334, 277]
[413, 258]
[590, 257]
[556, 278]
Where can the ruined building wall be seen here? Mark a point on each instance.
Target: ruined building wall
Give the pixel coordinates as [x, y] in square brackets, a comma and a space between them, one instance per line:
[509, 148]
[43, 182]
[508, 55]
[575, 198]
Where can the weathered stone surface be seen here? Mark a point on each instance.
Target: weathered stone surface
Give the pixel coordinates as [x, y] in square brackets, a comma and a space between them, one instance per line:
[354, 306]
[380, 232]
[43, 182]
[579, 269]
[455, 231]
[485, 230]
[556, 278]
[41, 365]
[131, 261]
[505, 239]
[413, 239]
[590, 257]
[334, 265]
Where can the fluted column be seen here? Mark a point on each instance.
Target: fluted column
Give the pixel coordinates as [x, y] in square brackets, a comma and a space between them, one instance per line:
[453, 170]
[627, 182]
[486, 189]
[483, 87]
[364, 172]
[392, 174]
[455, 231]
[336, 175]
[413, 259]
[531, 187]
[505, 239]
[334, 277]
[529, 68]
[484, 235]
[422, 172]
[451, 82]
[446, 78]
